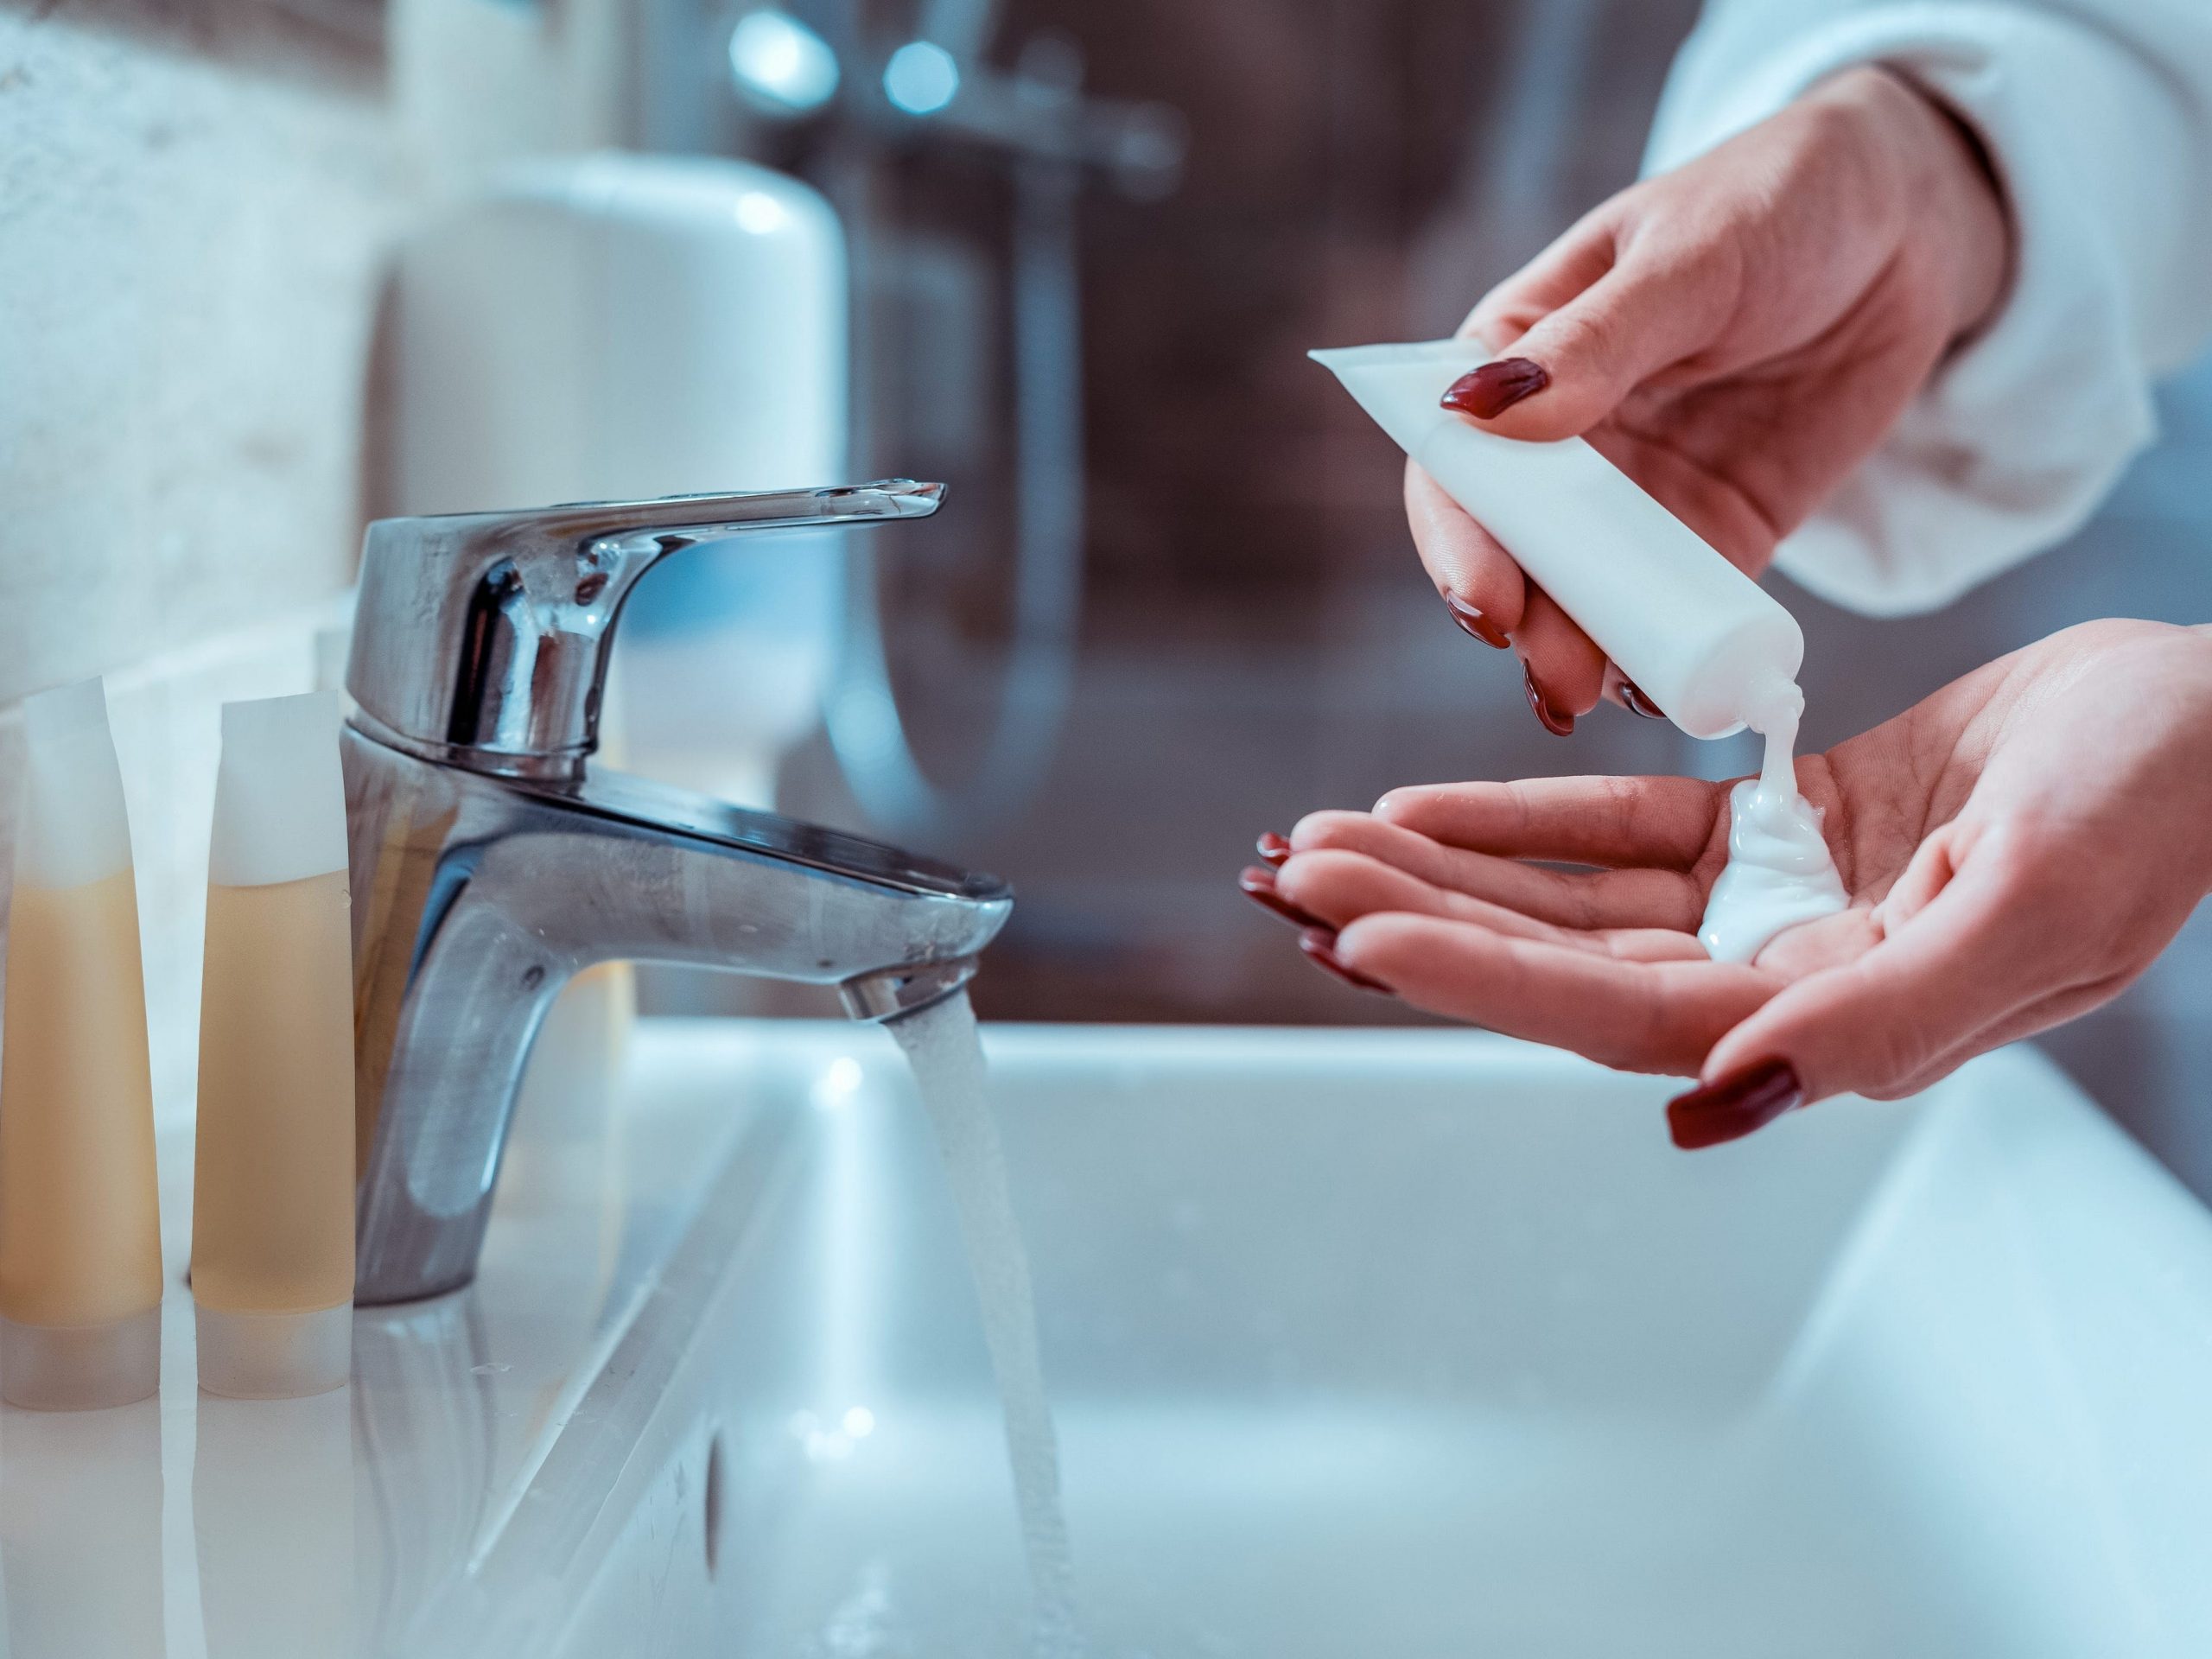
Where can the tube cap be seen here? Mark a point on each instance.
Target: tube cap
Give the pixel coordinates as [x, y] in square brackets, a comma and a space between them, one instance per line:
[275, 1356]
[280, 796]
[81, 1367]
[74, 828]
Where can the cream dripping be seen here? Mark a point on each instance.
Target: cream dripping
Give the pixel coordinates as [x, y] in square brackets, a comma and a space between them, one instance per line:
[1779, 873]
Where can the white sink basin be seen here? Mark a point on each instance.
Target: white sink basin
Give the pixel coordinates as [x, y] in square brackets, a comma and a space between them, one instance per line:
[1383, 1344]
[1387, 1344]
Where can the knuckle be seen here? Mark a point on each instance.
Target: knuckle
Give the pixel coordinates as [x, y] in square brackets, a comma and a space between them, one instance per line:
[1318, 830]
[2034, 869]
[1582, 340]
[2020, 860]
[1404, 806]
[1892, 1054]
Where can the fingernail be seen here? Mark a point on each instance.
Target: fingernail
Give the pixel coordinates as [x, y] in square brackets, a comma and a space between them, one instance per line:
[1257, 883]
[1632, 695]
[1274, 848]
[1473, 621]
[1319, 944]
[1730, 1107]
[1557, 724]
[1494, 388]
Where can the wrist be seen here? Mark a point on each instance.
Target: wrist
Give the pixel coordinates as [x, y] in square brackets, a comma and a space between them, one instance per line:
[1953, 216]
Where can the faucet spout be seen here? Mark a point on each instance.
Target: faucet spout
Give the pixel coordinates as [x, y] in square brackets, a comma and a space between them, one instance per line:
[894, 993]
[477, 898]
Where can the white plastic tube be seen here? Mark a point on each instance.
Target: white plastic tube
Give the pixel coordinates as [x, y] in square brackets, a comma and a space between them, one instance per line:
[272, 1220]
[1697, 636]
[80, 1251]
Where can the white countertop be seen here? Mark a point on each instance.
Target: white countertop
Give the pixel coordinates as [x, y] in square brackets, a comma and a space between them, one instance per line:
[190, 1525]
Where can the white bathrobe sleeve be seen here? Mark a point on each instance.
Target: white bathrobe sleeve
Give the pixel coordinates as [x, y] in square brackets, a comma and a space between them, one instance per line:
[2098, 116]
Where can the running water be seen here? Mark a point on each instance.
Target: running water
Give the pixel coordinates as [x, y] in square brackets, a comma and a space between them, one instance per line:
[943, 1046]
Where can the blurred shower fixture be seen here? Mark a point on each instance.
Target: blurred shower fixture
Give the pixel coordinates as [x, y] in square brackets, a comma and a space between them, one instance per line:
[1049, 136]
[921, 78]
[1038, 112]
[937, 87]
[780, 65]
[962, 27]
[1038, 682]
[929, 88]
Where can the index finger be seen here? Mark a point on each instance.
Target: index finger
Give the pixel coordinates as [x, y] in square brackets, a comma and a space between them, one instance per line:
[1465, 561]
[1581, 256]
[1613, 823]
[1640, 1016]
[1632, 897]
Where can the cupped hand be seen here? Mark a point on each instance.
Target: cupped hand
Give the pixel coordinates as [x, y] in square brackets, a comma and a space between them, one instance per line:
[2017, 848]
[1736, 336]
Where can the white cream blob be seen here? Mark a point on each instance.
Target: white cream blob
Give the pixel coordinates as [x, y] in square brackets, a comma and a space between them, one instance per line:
[1779, 873]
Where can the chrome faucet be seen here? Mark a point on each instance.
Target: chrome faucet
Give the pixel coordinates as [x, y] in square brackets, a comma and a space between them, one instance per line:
[488, 868]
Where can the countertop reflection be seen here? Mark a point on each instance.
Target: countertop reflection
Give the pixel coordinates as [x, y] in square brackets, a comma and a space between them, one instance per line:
[191, 1525]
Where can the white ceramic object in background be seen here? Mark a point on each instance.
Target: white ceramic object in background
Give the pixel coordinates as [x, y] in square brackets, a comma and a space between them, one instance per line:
[1382, 1343]
[619, 325]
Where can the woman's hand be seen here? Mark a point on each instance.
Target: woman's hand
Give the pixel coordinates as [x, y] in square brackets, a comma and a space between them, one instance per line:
[1736, 336]
[2017, 849]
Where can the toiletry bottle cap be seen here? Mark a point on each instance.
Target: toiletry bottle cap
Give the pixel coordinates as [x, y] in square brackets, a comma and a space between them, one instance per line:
[67, 711]
[280, 796]
[74, 829]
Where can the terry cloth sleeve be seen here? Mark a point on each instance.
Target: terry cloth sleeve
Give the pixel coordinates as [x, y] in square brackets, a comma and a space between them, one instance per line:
[2097, 115]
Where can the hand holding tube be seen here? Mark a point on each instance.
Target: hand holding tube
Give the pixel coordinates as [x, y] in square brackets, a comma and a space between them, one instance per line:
[1736, 336]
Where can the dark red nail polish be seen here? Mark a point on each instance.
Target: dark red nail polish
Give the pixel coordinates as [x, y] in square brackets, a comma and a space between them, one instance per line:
[1473, 621]
[1557, 724]
[1274, 848]
[1257, 883]
[1632, 695]
[1730, 1107]
[1319, 944]
[1496, 387]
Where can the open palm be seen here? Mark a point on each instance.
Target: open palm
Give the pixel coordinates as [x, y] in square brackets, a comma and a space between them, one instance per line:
[2017, 847]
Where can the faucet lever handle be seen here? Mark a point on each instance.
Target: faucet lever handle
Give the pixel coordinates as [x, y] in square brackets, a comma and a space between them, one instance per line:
[579, 528]
[481, 639]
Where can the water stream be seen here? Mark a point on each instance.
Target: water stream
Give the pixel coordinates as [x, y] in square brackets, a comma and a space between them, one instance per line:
[943, 1046]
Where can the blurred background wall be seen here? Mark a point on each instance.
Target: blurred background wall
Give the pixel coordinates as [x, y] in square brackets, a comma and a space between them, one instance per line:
[197, 199]
[195, 205]
[1102, 351]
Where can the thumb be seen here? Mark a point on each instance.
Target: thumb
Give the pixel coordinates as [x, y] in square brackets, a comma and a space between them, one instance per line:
[1574, 365]
[1945, 983]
